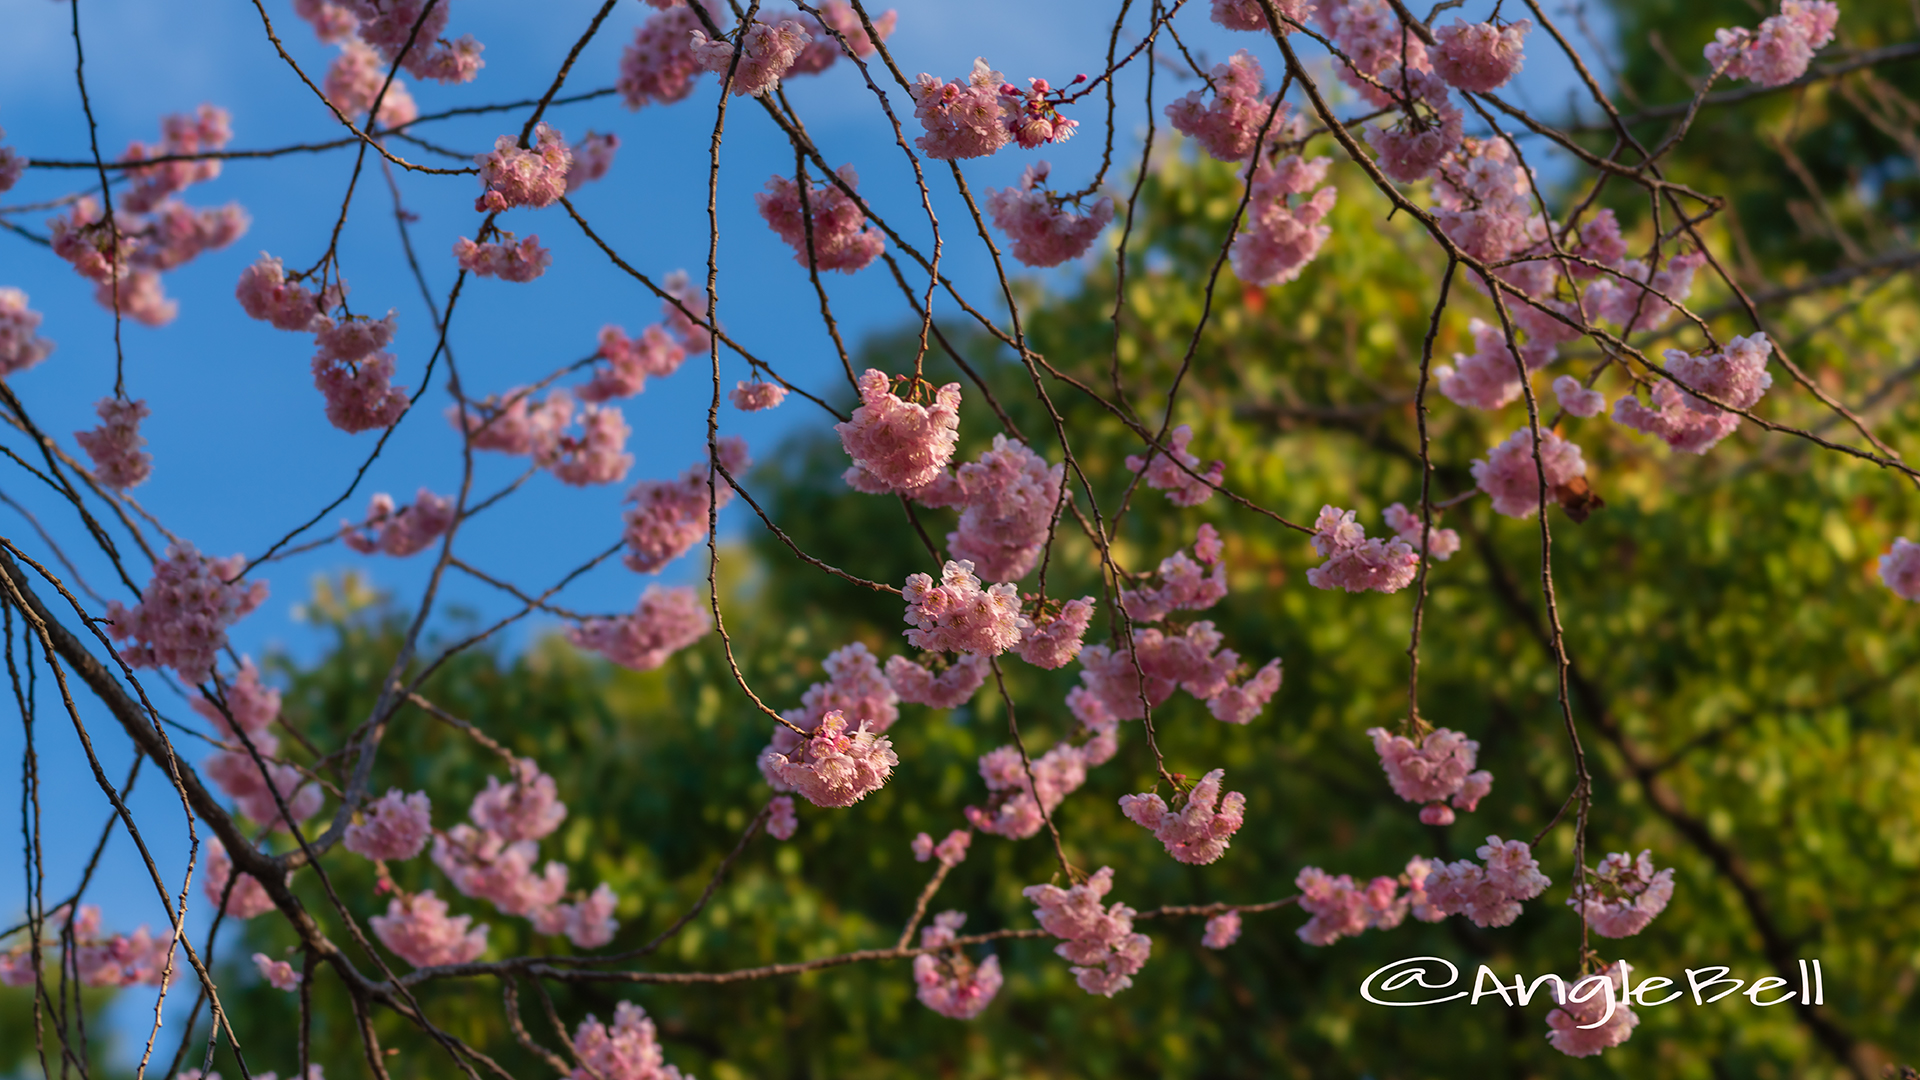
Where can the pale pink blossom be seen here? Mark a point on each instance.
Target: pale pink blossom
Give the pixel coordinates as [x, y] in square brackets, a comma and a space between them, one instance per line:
[592, 157]
[1184, 583]
[1593, 1014]
[1780, 52]
[781, 821]
[1033, 116]
[1439, 767]
[418, 931]
[838, 17]
[208, 128]
[766, 51]
[1488, 377]
[249, 897]
[174, 235]
[1222, 930]
[660, 65]
[278, 973]
[1511, 476]
[1017, 806]
[12, 164]
[1008, 498]
[1190, 486]
[114, 446]
[1735, 376]
[1576, 399]
[1482, 198]
[118, 961]
[406, 531]
[756, 396]
[354, 79]
[952, 687]
[1054, 642]
[1250, 15]
[1426, 131]
[1355, 562]
[20, 347]
[1193, 660]
[1440, 543]
[854, 686]
[685, 313]
[259, 794]
[331, 21]
[900, 444]
[252, 705]
[1415, 879]
[670, 516]
[504, 259]
[389, 25]
[629, 1050]
[630, 361]
[1199, 832]
[958, 615]
[266, 294]
[951, 851]
[1099, 940]
[1229, 125]
[515, 426]
[665, 621]
[597, 455]
[1281, 235]
[1045, 232]
[1490, 895]
[527, 808]
[1627, 895]
[948, 982]
[1340, 909]
[1673, 421]
[589, 924]
[1480, 57]
[832, 768]
[182, 618]
[534, 177]
[1900, 569]
[393, 827]
[1240, 704]
[964, 118]
[487, 866]
[360, 394]
[1629, 298]
[140, 297]
[841, 237]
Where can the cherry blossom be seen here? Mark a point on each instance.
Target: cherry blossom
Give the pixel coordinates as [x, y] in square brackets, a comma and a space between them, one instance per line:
[597, 455]
[660, 65]
[355, 78]
[854, 688]
[1481, 198]
[12, 164]
[1900, 569]
[1355, 562]
[589, 924]
[140, 297]
[898, 445]
[756, 396]
[249, 897]
[685, 312]
[1016, 806]
[1415, 879]
[259, 793]
[1735, 376]
[359, 391]
[1780, 52]
[592, 157]
[1340, 909]
[958, 615]
[515, 426]
[1510, 475]
[418, 931]
[1229, 125]
[1099, 940]
[527, 808]
[488, 866]
[1184, 583]
[1373, 38]
[839, 18]
[1053, 641]
[665, 621]
[1488, 377]
[1008, 497]
[1439, 767]
[1674, 421]
[951, 852]
[415, 29]
[1480, 57]
[1199, 831]
[1628, 895]
[1184, 487]
[781, 821]
[20, 347]
[629, 1050]
[952, 687]
[265, 293]
[1251, 15]
[531, 177]
[278, 973]
[841, 238]
[1282, 236]
[118, 961]
[1222, 930]
[406, 531]
[670, 516]
[395, 826]
[1576, 399]
[964, 118]
[1440, 543]
[1192, 660]
[209, 128]
[114, 446]
[630, 361]
[505, 260]
[252, 705]
[1426, 131]
[1489, 896]
[948, 982]
[1582, 1026]
[1034, 117]
[331, 21]
[766, 51]
[1240, 704]
[182, 618]
[832, 768]
[1044, 231]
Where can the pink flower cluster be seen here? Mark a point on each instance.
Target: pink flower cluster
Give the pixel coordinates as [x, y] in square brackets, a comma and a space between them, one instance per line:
[1490, 895]
[1098, 940]
[1016, 806]
[589, 923]
[1576, 399]
[209, 128]
[1250, 15]
[1197, 833]
[1356, 562]
[670, 516]
[355, 375]
[1673, 421]
[114, 446]
[665, 621]
[831, 768]
[1427, 129]
[278, 973]
[1373, 39]
[1222, 930]
[1440, 543]
[1193, 660]
[781, 821]
[1230, 124]
[945, 687]
[1282, 236]
[1043, 230]
[898, 445]
[1900, 569]
[402, 532]
[660, 65]
[1438, 768]
[119, 961]
[12, 164]
[1052, 641]
[182, 618]
[948, 982]
[1341, 909]
[957, 615]
[254, 708]
[766, 51]
[1629, 894]
[964, 118]
[1780, 52]
[1736, 376]
[504, 259]
[1592, 1017]
[756, 396]
[393, 827]
[389, 26]
[1190, 486]
[354, 80]
[1034, 116]
[1629, 299]
[265, 293]
[249, 897]
[534, 177]
[597, 455]
[20, 346]
[1184, 583]
[840, 19]
[1007, 497]
[417, 929]
[1480, 57]
[1488, 377]
[630, 1050]
[592, 157]
[951, 852]
[854, 687]
[1510, 475]
[841, 238]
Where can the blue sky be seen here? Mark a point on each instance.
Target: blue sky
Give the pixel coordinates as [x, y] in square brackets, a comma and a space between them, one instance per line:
[242, 452]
